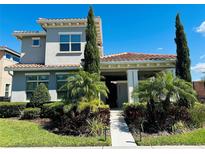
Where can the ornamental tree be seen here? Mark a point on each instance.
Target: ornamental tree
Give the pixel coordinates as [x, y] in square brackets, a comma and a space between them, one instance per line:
[40, 96]
[91, 53]
[183, 61]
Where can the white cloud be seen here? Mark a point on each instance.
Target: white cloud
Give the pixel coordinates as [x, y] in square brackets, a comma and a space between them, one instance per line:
[201, 28]
[200, 67]
[159, 48]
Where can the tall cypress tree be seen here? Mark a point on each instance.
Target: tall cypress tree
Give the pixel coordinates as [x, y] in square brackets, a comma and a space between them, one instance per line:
[183, 60]
[91, 53]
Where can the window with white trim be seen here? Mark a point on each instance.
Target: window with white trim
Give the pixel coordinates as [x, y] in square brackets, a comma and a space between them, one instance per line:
[7, 89]
[32, 81]
[61, 80]
[35, 42]
[70, 42]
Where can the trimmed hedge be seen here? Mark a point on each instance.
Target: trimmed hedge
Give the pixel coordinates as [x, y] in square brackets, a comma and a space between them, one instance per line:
[52, 110]
[31, 113]
[11, 109]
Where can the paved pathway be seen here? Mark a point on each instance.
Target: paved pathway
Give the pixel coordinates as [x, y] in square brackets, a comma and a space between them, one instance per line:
[121, 137]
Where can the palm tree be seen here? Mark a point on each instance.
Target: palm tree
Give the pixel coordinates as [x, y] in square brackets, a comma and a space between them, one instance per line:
[165, 88]
[85, 86]
[161, 93]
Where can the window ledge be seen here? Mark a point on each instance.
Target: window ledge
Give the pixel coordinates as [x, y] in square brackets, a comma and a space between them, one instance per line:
[35, 46]
[70, 52]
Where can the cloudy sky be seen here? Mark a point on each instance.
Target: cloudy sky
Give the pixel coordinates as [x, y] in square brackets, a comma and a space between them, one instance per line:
[126, 28]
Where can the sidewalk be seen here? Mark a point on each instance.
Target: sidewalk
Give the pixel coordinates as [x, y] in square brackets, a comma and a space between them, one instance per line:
[121, 137]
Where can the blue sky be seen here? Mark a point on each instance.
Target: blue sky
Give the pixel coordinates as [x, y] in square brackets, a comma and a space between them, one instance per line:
[126, 28]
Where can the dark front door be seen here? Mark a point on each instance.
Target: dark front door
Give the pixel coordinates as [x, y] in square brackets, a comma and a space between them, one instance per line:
[112, 95]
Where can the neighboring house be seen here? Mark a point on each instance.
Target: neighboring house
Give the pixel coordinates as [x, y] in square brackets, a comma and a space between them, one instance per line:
[7, 57]
[48, 56]
[199, 87]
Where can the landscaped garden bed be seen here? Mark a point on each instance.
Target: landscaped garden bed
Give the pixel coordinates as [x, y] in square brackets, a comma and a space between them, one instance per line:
[81, 119]
[167, 113]
[21, 133]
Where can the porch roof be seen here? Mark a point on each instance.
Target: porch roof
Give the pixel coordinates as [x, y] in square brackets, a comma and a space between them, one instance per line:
[135, 56]
[41, 67]
[116, 61]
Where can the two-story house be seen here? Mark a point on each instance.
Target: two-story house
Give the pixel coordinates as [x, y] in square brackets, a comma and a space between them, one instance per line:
[8, 57]
[49, 55]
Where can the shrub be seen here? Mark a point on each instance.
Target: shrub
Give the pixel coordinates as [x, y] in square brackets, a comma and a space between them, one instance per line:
[197, 115]
[75, 121]
[179, 127]
[182, 113]
[93, 105]
[135, 113]
[40, 96]
[30, 113]
[10, 109]
[103, 114]
[96, 127]
[52, 110]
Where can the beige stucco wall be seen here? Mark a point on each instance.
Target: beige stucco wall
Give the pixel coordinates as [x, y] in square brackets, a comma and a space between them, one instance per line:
[5, 78]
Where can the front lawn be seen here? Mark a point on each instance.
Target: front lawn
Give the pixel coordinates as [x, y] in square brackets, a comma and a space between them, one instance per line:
[15, 133]
[196, 137]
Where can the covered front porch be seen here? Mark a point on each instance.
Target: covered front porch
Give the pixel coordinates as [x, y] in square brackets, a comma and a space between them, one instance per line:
[122, 73]
[122, 83]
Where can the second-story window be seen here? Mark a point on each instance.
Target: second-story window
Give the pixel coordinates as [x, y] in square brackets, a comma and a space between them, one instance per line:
[35, 42]
[8, 56]
[70, 42]
[16, 59]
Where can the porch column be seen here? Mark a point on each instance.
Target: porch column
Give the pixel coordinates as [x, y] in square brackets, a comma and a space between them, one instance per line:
[132, 82]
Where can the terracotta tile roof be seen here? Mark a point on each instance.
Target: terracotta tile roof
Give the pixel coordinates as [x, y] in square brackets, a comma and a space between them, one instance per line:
[199, 86]
[65, 19]
[134, 56]
[110, 58]
[20, 34]
[30, 32]
[41, 66]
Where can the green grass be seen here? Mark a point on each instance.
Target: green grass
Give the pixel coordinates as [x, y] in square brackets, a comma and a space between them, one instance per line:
[19, 133]
[196, 137]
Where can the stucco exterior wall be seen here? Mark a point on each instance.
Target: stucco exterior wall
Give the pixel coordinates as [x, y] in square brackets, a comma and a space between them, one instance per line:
[5, 77]
[19, 86]
[53, 54]
[31, 54]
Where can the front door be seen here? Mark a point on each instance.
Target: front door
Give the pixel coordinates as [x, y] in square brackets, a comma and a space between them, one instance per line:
[122, 94]
[112, 95]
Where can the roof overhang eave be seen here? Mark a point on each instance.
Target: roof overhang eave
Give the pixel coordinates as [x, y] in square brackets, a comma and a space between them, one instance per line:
[21, 35]
[10, 51]
[138, 61]
[42, 69]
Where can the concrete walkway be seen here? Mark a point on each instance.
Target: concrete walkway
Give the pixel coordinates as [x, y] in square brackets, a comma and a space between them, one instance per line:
[121, 137]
